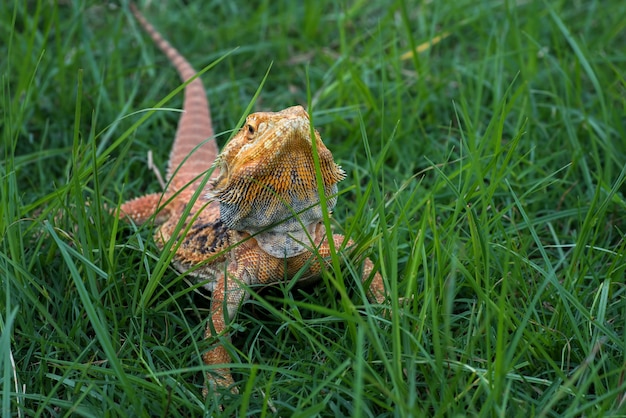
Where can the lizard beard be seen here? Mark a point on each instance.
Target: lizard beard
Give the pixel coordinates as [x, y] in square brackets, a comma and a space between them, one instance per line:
[282, 227]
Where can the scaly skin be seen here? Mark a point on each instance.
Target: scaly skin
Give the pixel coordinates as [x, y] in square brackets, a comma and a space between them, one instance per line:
[259, 220]
[194, 148]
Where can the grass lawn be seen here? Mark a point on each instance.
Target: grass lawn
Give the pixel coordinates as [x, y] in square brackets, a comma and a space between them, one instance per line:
[485, 146]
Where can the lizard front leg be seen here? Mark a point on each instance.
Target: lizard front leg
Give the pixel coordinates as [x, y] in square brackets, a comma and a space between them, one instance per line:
[229, 293]
[250, 265]
[226, 299]
[376, 290]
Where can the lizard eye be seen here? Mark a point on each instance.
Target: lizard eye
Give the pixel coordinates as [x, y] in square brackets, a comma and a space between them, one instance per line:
[250, 129]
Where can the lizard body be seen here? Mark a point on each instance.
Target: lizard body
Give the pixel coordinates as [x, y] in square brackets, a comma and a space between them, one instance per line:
[259, 221]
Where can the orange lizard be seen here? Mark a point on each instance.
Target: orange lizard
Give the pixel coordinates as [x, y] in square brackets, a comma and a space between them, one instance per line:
[259, 221]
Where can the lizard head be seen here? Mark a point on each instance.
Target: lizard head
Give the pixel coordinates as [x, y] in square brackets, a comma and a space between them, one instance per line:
[267, 176]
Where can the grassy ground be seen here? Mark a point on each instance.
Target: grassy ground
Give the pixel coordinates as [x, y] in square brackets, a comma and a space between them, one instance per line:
[487, 172]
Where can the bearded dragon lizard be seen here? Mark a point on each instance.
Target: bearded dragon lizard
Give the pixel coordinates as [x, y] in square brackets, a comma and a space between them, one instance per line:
[259, 221]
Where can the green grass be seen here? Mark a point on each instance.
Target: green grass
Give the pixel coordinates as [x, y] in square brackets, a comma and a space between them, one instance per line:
[486, 173]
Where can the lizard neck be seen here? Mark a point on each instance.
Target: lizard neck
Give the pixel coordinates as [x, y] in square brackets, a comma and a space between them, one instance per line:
[285, 244]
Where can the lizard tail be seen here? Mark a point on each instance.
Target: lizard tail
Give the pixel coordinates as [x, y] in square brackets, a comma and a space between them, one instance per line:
[194, 149]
